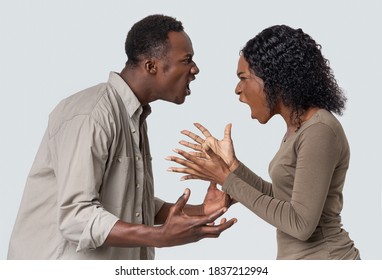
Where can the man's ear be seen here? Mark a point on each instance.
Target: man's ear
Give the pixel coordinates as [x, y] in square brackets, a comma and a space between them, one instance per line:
[150, 66]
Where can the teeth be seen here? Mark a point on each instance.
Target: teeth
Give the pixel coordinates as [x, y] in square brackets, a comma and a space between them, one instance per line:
[188, 90]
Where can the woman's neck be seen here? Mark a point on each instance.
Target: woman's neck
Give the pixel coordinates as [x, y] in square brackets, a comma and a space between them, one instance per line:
[293, 124]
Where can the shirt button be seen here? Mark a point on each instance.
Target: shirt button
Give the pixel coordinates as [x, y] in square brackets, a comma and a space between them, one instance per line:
[138, 186]
[137, 214]
[133, 131]
[119, 159]
[138, 158]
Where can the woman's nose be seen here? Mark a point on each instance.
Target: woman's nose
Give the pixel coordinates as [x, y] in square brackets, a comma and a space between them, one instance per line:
[238, 89]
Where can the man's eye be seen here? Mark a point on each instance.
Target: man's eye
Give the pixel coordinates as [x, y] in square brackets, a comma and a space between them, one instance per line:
[187, 60]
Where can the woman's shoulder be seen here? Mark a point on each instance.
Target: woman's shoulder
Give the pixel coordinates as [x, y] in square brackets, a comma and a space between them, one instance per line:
[323, 124]
[324, 118]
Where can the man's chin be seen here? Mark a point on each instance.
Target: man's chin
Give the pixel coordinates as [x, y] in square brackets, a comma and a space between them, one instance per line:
[179, 102]
[180, 99]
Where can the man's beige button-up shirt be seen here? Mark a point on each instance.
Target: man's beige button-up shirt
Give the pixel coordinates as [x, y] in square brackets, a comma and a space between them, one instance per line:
[93, 168]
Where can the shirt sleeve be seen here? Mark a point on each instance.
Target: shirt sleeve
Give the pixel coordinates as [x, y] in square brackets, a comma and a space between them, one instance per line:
[80, 148]
[317, 155]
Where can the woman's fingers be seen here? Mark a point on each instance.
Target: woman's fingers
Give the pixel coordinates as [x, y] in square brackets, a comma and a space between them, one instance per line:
[190, 158]
[202, 129]
[196, 147]
[192, 170]
[194, 177]
[203, 144]
[198, 154]
[227, 131]
[193, 136]
[189, 167]
[188, 161]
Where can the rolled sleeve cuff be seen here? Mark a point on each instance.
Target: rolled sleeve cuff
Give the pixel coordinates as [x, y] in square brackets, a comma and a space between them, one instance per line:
[96, 231]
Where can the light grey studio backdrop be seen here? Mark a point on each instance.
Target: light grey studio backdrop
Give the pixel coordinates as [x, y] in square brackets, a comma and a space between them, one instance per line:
[52, 49]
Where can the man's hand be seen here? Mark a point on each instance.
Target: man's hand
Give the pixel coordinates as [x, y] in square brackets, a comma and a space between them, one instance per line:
[179, 228]
[215, 199]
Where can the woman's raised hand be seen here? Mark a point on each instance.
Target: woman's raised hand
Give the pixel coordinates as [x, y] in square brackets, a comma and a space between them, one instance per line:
[223, 148]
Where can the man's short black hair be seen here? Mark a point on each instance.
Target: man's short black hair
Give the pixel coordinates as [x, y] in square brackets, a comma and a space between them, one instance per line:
[149, 37]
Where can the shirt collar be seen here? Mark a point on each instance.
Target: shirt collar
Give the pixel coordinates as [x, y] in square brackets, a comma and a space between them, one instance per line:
[133, 106]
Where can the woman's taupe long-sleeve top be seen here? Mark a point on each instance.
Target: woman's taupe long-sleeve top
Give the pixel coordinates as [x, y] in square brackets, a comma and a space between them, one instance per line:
[304, 200]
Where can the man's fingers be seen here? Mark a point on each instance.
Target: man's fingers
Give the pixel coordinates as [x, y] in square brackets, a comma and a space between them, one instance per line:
[182, 201]
[213, 231]
[212, 217]
[212, 186]
[226, 224]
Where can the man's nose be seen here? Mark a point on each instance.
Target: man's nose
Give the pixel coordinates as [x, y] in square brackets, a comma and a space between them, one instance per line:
[195, 69]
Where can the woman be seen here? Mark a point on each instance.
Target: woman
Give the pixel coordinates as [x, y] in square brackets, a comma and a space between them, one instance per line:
[282, 71]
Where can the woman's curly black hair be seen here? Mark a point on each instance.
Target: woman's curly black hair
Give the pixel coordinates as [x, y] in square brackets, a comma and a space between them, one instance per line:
[149, 37]
[293, 69]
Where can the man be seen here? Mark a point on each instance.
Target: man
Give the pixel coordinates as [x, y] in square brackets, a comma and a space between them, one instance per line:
[89, 194]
